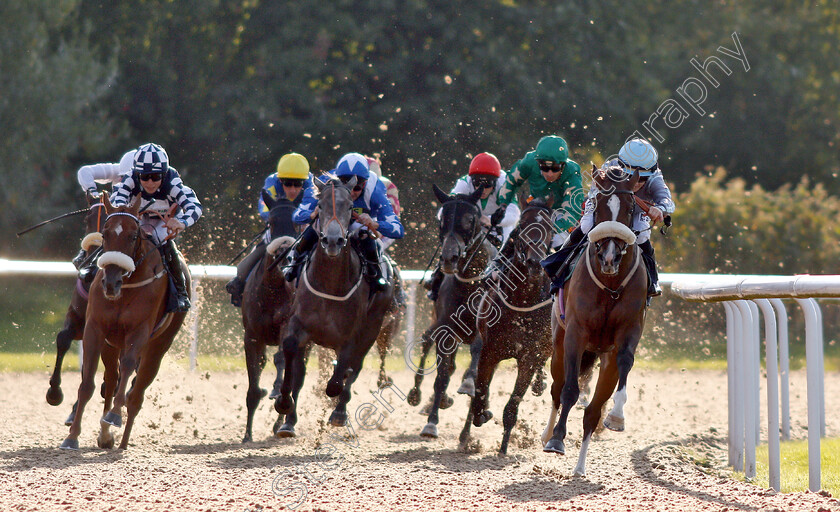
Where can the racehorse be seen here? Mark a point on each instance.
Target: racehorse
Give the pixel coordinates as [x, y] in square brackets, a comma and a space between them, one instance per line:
[520, 326]
[464, 255]
[266, 307]
[334, 308]
[604, 315]
[125, 321]
[74, 319]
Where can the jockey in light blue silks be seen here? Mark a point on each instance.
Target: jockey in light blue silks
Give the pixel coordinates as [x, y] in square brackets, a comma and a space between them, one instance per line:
[372, 209]
[634, 155]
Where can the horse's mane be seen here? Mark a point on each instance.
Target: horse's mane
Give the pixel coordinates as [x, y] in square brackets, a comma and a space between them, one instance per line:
[538, 202]
[332, 179]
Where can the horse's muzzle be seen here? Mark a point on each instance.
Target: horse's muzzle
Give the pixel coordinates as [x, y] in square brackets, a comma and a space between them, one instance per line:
[112, 281]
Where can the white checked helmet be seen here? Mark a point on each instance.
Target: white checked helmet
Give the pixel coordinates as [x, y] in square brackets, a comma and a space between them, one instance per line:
[150, 158]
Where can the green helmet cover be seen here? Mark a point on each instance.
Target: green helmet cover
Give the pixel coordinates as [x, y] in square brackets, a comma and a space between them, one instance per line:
[552, 148]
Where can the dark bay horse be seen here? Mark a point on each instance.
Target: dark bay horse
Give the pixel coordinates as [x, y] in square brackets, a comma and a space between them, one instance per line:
[125, 322]
[334, 308]
[604, 315]
[464, 255]
[266, 307]
[520, 327]
[74, 319]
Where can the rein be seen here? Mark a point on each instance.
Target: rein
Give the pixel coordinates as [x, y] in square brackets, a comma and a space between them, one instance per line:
[473, 245]
[526, 309]
[326, 295]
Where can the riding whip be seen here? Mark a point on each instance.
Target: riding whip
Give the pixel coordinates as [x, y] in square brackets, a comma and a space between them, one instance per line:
[36, 226]
[259, 235]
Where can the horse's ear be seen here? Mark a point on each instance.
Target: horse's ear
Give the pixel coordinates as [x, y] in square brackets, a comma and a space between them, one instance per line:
[476, 195]
[441, 196]
[107, 202]
[351, 183]
[549, 202]
[90, 199]
[594, 169]
[267, 199]
[134, 206]
[319, 185]
[634, 180]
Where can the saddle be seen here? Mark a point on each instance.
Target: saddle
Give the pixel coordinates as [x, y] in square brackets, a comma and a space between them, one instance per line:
[560, 265]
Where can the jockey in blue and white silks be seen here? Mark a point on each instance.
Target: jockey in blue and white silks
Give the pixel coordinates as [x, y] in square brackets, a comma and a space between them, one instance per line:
[159, 186]
[371, 206]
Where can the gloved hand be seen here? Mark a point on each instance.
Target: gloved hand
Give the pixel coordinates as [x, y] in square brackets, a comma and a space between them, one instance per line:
[93, 193]
[497, 216]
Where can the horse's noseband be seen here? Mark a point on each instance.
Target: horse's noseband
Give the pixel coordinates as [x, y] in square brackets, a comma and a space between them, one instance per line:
[120, 258]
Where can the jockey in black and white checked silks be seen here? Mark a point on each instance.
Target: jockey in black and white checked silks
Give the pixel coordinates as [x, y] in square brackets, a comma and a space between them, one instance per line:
[152, 159]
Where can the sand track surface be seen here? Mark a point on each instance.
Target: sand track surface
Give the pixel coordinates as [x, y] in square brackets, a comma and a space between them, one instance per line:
[186, 454]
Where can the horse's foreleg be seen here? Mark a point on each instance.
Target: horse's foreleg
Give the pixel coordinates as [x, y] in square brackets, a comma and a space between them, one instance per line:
[295, 335]
[568, 395]
[297, 369]
[110, 359]
[146, 372]
[414, 395]
[468, 382]
[607, 377]
[624, 361]
[92, 345]
[73, 327]
[446, 366]
[524, 374]
[484, 374]
[279, 366]
[254, 356]
[558, 377]
[383, 342]
[128, 364]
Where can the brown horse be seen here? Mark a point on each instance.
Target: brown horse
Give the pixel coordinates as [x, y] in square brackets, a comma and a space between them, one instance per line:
[520, 327]
[266, 307]
[604, 314]
[125, 322]
[74, 319]
[463, 257]
[333, 308]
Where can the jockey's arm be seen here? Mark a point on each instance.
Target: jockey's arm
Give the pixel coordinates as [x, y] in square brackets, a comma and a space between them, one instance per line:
[308, 205]
[513, 180]
[567, 216]
[89, 175]
[270, 186]
[381, 212]
[184, 196]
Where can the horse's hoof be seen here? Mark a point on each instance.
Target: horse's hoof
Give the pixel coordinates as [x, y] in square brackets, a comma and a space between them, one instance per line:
[263, 392]
[334, 388]
[112, 419]
[430, 431]
[70, 444]
[384, 382]
[275, 394]
[70, 418]
[414, 397]
[338, 419]
[446, 402]
[538, 387]
[582, 402]
[467, 387]
[106, 444]
[555, 446]
[55, 396]
[247, 439]
[614, 423]
[284, 405]
[285, 431]
[482, 418]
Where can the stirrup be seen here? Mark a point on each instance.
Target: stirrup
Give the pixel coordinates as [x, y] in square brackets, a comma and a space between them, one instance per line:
[654, 290]
[183, 304]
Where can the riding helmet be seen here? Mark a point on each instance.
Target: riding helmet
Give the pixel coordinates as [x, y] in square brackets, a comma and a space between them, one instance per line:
[485, 163]
[150, 158]
[293, 166]
[638, 155]
[353, 164]
[552, 148]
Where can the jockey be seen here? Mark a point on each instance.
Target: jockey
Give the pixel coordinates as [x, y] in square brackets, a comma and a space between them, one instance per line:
[485, 173]
[634, 155]
[372, 208]
[159, 187]
[289, 182]
[89, 176]
[551, 175]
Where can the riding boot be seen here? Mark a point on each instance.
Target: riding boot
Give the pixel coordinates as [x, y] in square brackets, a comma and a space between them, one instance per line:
[236, 286]
[559, 266]
[373, 271]
[497, 264]
[87, 267]
[299, 253]
[173, 264]
[79, 259]
[433, 284]
[650, 262]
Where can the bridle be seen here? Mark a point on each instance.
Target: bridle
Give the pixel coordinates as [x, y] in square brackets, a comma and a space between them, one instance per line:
[521, 246]
[137, 241]
[615, 293]
[471, 245]
[334, 218]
